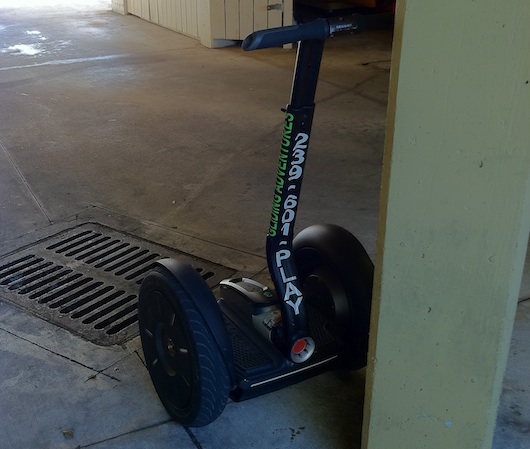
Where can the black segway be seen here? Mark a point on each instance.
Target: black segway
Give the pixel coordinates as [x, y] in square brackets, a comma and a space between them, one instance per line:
[200, 351]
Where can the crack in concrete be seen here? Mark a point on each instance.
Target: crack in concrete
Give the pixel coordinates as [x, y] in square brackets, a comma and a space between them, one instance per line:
[24, 181]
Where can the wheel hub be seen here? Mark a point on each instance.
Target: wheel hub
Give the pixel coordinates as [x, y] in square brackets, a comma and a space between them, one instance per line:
[170, 346]
[165, 349]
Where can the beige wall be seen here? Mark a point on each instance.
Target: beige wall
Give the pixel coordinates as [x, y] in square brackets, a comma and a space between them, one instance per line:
[119, 6]
[213, 22]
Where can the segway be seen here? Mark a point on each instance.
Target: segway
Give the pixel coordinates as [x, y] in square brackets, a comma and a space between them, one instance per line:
[200, 350]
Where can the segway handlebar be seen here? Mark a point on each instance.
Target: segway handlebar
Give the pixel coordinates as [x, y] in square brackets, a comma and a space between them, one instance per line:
[318, 29]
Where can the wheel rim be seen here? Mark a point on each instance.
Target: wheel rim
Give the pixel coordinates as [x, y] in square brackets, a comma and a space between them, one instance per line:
[316, 292]
[325, 290]
[331, 247]
[171, 360]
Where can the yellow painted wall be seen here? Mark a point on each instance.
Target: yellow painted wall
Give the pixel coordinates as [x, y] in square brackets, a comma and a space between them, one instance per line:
[454, 223]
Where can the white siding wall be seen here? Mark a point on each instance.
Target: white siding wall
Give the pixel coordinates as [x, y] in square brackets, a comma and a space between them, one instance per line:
[213, 21]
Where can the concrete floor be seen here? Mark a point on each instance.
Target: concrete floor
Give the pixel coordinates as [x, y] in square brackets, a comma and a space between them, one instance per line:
[107, 118]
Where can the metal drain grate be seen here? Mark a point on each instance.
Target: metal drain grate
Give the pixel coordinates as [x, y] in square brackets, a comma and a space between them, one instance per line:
[86, 279]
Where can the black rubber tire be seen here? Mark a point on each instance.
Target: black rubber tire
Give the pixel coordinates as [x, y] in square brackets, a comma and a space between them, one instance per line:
[182, 357]
[337, 275]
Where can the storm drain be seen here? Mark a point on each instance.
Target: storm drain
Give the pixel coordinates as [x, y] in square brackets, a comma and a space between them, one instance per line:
[86, 279]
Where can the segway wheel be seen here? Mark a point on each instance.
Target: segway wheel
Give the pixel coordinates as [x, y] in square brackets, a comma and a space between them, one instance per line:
[182, 357]
[337, 277]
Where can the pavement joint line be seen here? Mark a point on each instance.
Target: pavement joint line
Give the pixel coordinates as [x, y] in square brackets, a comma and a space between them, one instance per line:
[193, 438]
[352, 89]
[131, 432]
[24, 180]
[163, 227]
[116, 363]
[65, 62]
[93, 376]
[140, 358]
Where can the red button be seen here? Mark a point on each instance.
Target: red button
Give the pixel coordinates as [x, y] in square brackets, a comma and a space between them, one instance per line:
[299, 346]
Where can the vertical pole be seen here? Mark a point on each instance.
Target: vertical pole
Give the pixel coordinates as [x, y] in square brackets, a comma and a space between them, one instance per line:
[286, 196]
[454, 223]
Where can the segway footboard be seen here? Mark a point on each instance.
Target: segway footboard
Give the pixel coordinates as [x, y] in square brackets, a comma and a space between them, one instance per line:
[260, 367]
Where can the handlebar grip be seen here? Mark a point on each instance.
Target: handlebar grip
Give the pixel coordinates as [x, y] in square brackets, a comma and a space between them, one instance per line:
[276, 37]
